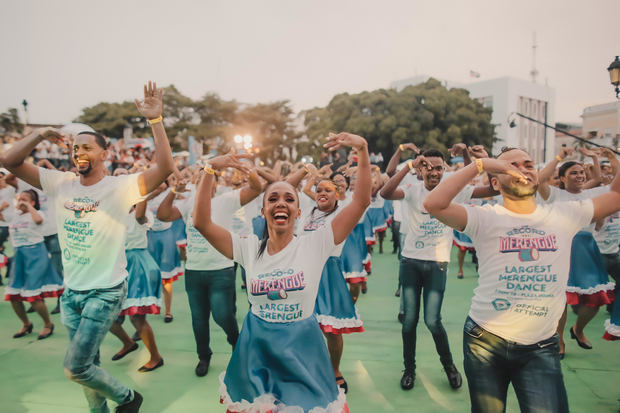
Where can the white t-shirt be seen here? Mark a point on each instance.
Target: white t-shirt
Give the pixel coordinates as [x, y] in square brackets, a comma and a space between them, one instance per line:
[7, 194]
[23, 230]
[282, 288]
[427, 238]
[201, 256]
[561, 195]
[136, 237]
[48, 227]
[608, 236]
[152, 206]
[315, 220]
[91, 223]
[524, 263]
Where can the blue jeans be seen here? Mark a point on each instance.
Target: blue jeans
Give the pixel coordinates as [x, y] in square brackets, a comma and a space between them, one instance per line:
[211, 291]
[88, 316]
[491, 363]
[423, 279]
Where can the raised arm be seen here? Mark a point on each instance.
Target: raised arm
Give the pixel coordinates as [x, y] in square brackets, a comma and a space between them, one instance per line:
[391, 190]
[546, 173]
[390, 170]
[609, 202]
[219, 237]
[14, 158]
[141, 213]
[439, 203]
[347, 219]
[252, 189]
[595, 179]
[166, 211]
[151, 108]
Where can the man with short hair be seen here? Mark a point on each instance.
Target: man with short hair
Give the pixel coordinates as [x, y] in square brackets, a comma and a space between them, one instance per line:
[91, 212]
[424, 261]
[524, 253]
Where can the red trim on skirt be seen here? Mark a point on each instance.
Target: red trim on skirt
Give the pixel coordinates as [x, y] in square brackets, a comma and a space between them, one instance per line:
[144, 310]
[597, 299]
[45, 294]
[171, 279]
[463, 248]
[345, 330]
[356, 280]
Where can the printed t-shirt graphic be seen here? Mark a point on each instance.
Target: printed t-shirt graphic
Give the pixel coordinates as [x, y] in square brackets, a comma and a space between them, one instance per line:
[91, 224]
[427, 238]
[282, 287]
[524, 262]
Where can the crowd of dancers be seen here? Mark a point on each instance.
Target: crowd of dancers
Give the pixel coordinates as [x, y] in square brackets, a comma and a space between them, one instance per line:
[112, 242]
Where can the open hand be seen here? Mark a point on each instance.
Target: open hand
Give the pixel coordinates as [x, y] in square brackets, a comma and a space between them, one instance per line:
[336, 141]
[53, 135]
[410, 147]
[498, 166]
[151, 106]
[231, 160]
[587, 152]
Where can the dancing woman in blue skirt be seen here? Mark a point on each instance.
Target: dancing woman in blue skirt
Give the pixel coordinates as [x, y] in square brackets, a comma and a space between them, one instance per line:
[280, 362]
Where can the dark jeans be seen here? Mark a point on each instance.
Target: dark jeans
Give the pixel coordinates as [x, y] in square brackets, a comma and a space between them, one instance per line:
[88, 316]
[211, 291]
[491, 363]
[396, 236]
[426, 279]
[53, 247]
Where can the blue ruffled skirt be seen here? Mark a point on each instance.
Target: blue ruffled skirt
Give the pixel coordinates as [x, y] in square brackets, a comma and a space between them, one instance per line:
[162, 247]
[178, 229]
[32, 275]
[588, 282]
[280, 367]
[144, 284]
[354, 255]
[334, 308]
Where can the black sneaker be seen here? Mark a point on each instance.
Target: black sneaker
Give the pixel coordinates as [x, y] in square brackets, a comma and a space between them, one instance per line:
[133, 406]
[406, 383]
[454, 377]
[202, 368]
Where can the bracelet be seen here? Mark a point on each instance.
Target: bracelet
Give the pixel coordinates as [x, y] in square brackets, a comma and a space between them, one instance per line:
[559, 158]
[480, 166]
[173, 191]
[156, 120]
[410, 164]
[400, 147]
[209, 170]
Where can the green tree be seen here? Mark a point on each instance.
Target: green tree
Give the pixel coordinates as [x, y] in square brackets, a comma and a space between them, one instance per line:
[427, 114]
[10, 122]
[271, 126]
[112, 118]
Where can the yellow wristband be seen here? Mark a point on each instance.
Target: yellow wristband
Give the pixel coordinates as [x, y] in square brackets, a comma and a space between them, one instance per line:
[400, 147]
[410, 164]
[559, 158]
[173, 191]
[480, 166]
[208, 169]
[156, 120]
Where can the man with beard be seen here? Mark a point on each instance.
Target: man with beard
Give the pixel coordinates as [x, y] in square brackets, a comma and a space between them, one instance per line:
[424, 261]
[91, 212]
[523, 252]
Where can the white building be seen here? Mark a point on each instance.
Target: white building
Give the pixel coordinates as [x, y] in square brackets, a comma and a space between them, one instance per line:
[504, 96]
[601, 123]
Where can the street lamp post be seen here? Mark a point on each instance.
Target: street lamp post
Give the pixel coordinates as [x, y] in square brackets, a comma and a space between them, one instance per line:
[614, 75]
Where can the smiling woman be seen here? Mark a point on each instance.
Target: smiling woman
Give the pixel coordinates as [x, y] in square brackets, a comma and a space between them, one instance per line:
[296, 373]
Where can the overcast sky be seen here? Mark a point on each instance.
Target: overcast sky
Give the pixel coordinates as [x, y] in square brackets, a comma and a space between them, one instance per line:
[64, 55]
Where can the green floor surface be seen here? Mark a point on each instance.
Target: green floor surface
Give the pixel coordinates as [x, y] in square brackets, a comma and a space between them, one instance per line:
[32, 378]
